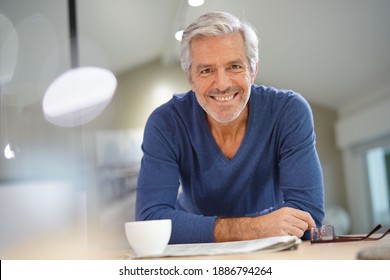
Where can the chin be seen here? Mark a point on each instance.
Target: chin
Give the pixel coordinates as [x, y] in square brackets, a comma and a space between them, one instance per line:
[224, 119]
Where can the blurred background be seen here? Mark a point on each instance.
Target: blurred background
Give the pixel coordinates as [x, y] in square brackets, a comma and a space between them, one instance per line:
[67, 180]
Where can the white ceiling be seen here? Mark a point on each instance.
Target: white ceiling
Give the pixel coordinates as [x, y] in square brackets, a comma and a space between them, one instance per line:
[332, 51]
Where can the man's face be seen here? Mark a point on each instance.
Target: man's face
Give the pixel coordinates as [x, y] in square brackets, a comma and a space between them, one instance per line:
[220, 75]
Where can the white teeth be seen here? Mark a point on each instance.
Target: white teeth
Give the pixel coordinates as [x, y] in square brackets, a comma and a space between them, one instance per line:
[223, 98]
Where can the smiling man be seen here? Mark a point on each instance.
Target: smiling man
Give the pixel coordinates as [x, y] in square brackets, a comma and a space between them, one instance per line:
[244, 155]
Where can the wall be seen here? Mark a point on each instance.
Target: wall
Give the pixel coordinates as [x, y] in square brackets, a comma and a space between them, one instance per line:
[330, 156]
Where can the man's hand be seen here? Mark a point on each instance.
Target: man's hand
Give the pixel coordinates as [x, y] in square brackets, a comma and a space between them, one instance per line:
[284, 221]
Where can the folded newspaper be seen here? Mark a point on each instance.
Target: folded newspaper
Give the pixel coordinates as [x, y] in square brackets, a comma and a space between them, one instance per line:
[270, 244]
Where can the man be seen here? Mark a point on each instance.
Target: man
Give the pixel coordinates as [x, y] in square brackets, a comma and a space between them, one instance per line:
[244, 155]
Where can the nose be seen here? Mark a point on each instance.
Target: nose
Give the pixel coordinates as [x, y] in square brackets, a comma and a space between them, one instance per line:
[222, 80]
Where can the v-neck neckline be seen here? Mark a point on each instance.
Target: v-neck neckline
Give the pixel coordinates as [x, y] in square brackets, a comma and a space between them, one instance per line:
[219, 152]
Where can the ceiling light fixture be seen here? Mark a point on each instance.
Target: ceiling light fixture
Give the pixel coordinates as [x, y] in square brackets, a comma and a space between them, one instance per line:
[8, 153]
[195, 3]
[179, 35]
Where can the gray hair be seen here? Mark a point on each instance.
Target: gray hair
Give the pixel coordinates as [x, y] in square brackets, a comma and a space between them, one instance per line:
[217, 24]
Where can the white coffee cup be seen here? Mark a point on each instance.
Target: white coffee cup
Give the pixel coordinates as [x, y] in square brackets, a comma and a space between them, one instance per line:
[148, 238]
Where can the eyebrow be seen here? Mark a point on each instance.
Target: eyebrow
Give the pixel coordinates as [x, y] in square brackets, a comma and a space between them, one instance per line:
[203, 66]
[238, 61]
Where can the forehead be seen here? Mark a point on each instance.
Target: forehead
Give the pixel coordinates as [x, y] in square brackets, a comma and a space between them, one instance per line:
[216, 49]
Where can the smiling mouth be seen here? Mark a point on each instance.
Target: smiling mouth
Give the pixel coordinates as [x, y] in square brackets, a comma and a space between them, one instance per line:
[224, 98]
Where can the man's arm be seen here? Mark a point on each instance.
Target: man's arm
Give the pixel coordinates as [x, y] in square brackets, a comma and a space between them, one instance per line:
[284, 221]
[158, 184]
[300, 172]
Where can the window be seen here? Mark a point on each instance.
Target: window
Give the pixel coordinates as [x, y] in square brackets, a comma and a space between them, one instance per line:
[378, 167]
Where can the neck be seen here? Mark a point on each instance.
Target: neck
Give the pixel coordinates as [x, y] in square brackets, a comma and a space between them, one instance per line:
[230, 129]
[228, 136]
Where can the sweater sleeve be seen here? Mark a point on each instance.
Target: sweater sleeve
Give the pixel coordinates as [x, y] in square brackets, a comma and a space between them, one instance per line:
[158, 185]
[300, 172]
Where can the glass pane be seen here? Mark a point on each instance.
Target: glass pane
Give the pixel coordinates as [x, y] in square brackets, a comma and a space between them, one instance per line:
[378, 163]
[41, 165]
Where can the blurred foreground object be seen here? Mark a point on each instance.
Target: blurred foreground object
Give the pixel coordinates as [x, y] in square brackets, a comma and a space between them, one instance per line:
[41, 220]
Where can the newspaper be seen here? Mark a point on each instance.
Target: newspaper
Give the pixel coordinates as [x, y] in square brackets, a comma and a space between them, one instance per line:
[270, 244]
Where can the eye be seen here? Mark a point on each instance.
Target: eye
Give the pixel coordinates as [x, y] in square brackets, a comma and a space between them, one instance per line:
[236, 68]
[205, 72]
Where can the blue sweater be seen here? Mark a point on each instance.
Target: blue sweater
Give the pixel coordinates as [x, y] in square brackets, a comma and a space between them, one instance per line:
[276, 165]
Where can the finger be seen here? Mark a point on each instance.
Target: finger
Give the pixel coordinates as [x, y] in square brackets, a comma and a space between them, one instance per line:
[306, 217]
[300, 224]
[310, 222]
[296, 231]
